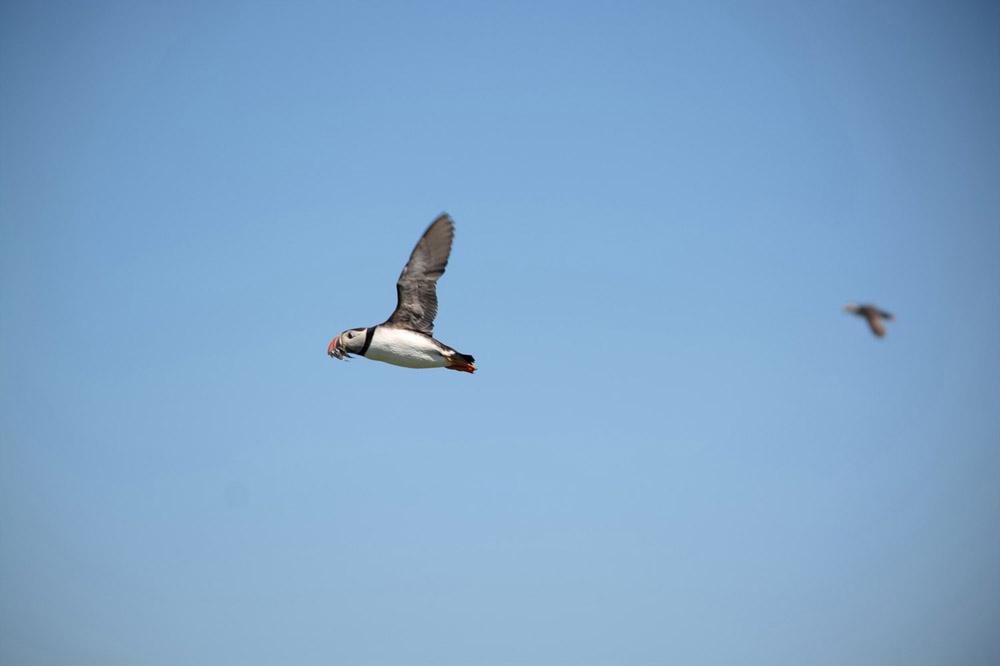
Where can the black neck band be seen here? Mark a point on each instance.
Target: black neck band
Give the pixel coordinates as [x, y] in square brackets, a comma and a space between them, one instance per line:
[369, 334]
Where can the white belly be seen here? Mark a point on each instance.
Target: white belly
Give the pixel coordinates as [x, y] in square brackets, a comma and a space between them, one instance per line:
[405, 348]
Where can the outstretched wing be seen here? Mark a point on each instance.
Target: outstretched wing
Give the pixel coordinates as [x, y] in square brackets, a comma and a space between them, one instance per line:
[416, 290]
[875, 322]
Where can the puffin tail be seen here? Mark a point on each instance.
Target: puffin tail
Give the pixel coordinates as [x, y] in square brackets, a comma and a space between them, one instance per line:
[462, 363]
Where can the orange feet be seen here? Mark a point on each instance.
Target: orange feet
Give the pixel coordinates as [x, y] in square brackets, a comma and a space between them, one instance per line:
[461, 366]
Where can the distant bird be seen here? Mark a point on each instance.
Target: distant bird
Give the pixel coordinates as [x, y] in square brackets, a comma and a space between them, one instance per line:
[405, 337]
[872, 314]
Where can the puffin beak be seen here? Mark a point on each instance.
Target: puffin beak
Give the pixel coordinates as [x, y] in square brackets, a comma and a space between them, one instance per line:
[336, 350]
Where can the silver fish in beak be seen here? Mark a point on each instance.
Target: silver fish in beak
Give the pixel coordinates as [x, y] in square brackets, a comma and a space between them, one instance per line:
[336, 350]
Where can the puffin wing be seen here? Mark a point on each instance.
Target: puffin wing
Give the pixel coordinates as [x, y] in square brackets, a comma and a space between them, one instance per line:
[875, 323]
[416, 289]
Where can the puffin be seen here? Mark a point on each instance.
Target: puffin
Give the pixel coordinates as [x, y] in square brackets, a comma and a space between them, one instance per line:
[406, 337]
[872, 314]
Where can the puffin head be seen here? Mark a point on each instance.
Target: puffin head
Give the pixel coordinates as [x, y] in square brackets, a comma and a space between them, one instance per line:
[349, 342]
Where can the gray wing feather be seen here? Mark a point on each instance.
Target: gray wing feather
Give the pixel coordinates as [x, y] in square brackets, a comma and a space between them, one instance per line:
[416, 289]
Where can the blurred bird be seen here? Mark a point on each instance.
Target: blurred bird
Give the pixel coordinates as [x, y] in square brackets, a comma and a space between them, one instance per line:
[872, 314]
[405, 337]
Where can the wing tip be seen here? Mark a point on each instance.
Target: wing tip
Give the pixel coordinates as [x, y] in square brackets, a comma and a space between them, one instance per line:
[445, 219]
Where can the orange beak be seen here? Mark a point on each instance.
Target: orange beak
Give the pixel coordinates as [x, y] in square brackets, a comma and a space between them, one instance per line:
[333, 345]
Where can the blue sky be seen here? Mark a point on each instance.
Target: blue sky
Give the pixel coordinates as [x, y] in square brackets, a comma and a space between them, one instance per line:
[677, 449]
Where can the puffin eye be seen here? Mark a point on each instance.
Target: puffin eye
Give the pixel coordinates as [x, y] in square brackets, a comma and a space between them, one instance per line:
[350, 336]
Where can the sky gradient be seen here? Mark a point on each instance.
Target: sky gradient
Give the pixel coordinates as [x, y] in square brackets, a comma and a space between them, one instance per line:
[677, 448]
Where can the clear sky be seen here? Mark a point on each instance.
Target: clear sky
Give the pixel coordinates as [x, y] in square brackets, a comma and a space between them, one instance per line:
[677, 450]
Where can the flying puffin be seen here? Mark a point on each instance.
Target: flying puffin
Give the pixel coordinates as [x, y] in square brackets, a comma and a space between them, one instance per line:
[405, 337]
[871, 313]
